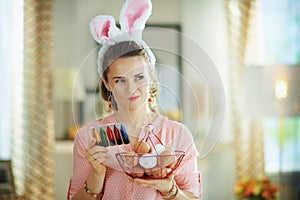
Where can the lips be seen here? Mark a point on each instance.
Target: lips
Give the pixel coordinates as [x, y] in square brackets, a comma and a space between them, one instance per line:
[133, 98]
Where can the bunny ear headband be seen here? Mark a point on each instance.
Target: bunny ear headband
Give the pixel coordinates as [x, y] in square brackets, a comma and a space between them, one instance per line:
[133, 17]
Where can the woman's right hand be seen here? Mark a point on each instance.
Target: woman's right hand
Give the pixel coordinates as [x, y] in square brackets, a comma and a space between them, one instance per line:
[96, 155]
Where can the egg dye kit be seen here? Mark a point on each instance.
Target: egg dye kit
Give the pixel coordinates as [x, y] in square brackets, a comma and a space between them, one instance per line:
[110, 134]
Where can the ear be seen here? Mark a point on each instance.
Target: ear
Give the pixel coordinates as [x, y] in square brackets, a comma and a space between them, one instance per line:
[106, 84]
[134, 15]
[103, 28]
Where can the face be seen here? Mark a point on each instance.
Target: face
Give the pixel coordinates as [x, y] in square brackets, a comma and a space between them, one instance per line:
[128, 80]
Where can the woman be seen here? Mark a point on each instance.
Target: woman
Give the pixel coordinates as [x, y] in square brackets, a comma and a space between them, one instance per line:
[127, 77]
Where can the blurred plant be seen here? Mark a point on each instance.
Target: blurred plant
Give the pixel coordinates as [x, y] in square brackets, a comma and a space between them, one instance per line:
[259, 189]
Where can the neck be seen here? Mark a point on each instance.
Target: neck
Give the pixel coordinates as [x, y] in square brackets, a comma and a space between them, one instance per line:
[133, 118]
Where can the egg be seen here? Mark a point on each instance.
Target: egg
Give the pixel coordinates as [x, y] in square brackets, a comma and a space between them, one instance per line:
[137, 172]
[166, 159]
[148, 172]
[131, 159]
[171, 165]
[158, 149]
[148, 161]
[158, 172]
[169, 148]
[141, 147]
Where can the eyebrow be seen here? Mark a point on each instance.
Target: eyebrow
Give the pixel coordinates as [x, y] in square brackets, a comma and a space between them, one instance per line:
[120, 77]
[139, 74]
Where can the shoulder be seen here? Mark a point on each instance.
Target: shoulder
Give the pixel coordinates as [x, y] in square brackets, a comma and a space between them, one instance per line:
[171, 125]
[174, 133]
[172, 129]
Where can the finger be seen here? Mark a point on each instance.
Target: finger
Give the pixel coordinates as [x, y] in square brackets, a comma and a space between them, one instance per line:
[96, 161]
[101, 158]
[170, 176]
[91, 159]
[140, 182]
[87, 155]
[144, 182]
[99, 155]
[92, 143]
[130, 178]
[97, 149]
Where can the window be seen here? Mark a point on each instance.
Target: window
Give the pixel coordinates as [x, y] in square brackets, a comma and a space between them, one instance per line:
[11, 49]
[282, 47]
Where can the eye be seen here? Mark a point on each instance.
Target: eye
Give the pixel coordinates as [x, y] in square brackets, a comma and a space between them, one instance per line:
[120, 80]
[139, 77]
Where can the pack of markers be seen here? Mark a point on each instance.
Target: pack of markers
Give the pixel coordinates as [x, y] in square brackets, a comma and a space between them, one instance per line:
[110, 134]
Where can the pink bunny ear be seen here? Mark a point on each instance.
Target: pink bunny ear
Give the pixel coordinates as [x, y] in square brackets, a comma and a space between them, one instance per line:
[103, 28]
[134, 14]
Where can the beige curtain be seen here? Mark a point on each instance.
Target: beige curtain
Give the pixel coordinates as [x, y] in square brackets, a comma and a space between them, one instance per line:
[33, 131]
[242, 48]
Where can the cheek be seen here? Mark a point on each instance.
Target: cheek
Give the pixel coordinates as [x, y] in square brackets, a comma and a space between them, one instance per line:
[119, 92]
[144, 89]
[119, 98]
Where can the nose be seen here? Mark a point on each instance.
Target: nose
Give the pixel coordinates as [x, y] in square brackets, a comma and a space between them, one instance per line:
[131, 87]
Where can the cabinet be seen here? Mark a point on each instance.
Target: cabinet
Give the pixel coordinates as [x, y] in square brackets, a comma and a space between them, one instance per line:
[63, 167]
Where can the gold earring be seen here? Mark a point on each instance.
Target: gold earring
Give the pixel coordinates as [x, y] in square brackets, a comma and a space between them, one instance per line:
[151, 99]
[109, 107]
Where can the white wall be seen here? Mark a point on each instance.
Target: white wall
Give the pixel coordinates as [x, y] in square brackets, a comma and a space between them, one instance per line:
[72, 39]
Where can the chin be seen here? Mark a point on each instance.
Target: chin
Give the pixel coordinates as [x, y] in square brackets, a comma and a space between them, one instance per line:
[137, 105]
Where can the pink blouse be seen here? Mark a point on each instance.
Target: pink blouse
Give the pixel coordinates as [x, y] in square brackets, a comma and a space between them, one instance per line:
[117, 185]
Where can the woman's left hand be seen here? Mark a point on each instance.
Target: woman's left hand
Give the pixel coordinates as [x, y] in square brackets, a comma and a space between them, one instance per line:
[162, 185]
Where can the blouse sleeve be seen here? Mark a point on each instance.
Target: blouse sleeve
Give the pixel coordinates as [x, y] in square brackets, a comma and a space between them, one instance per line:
[187, 175]
[81, 167]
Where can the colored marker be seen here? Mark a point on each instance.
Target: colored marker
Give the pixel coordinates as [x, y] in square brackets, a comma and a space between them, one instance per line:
[103, 137]
[97, 137]
[110, 136]
[117, 135]
[124, 134]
